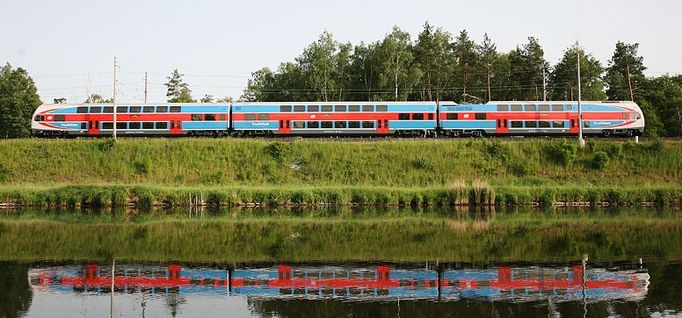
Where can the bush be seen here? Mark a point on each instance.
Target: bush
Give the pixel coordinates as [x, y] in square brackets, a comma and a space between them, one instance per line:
[143, 167]
[519, 168]
[563, 153]
[600, 160]
[615, 151]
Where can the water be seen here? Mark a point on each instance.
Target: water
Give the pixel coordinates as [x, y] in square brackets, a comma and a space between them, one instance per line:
[526, 267]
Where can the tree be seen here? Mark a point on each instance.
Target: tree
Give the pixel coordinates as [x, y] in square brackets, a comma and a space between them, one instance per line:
[564, 78]
[394, 64]
[206, 99]
[662, 102]
[60, 100]
[320, 62]
[226, 99]
[467, 64]
[623, 62]
[98, 99]
[18, 100]
[487, 52]
[178, 91]
[434, 56]
[526, 70]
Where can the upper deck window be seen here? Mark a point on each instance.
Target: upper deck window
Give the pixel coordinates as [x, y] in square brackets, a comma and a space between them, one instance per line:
[285, 109]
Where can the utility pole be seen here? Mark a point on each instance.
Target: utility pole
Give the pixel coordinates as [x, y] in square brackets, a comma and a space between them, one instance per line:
[466, 68]
[114, 98]
[632, 96]
[544, 85]
[581, 141]
[145, 87]
[489, 93]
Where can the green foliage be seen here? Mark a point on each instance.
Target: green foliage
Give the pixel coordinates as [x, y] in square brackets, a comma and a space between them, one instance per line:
[600, 159]
[625, 61]
[143, 167]
[564, 81]
[178, 91]
[18, 101]
[563, 152]
[4, 172]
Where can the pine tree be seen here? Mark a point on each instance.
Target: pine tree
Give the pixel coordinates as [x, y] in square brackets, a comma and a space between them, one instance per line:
[178, 91]
[623, 62]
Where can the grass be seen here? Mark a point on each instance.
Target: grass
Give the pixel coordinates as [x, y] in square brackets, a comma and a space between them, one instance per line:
[445, 172]
[506, 237]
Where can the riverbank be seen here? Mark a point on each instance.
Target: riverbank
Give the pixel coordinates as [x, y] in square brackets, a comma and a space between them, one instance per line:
[303, 172]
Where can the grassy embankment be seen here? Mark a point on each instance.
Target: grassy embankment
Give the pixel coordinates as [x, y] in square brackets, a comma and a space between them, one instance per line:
[146, 172]
[547, 237]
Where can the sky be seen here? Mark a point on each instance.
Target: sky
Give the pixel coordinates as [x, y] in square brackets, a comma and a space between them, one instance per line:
[68, 46]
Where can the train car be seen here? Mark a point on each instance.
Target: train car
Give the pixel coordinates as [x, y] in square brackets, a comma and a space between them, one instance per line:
[131, 119]
[540, 118]
[334, 118]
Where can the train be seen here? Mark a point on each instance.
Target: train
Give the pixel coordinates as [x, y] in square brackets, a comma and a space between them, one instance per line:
[335, 119]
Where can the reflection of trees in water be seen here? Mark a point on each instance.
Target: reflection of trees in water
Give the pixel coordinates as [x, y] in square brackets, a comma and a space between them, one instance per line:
[421, 308]
[15, 294]
[173, 301]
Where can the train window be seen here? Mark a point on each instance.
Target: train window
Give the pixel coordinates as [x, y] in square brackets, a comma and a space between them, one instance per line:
[299, 124]
[148, 109]
[339, 124]
[95, 110]
[558, 124]
[326, 124]
[285, 109]
[209, 117]
[367, 108]
[367, 124]
[107, 125]
[404, 116]
[430, 116]
[263, 116]
[147, 125]
[121, 125]
[299, 108]
[135, 109]
[531, 108]
[59, 118]
[516, 124]
[108, 109]
[354, 108]
[162, 125]
[418, 116]
[451, 116]
[175, 109]
[162, 109]
[81, 110]
[353, 124]
[134, 125]
[340, 108]
[480, 116]
[313, 108]
[572, 122]
[197, 117]
[122, 109]
[84, 126]
[326, 108]
[249, 116]
[544, 124]
[516, 108]
[379, 123]
[37, 118]
[543, 108]
[382, 108]
[530, 124]
[586, 124]
[502, 108]
[557, 108]
[313, 124]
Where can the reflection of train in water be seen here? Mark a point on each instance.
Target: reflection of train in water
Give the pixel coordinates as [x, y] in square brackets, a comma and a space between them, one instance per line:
[512, 284]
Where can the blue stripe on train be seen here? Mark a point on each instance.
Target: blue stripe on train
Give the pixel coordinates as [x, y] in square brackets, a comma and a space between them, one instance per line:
[257, 125]
[237, 108]
[493, 108]
[204, 109]
[412, 124]
[467, 124]
[204, 125]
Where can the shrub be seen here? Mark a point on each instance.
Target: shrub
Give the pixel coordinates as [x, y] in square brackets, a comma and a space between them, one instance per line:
[563, 152]
[600, 160]
[143, 167]
[615, 151]
[107, 145]
[519, 168]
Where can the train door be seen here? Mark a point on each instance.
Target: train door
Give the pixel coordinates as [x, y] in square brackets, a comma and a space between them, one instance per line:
[382, 126]
[502, 126]
[284, 126]
[175, 127]
[93, 127]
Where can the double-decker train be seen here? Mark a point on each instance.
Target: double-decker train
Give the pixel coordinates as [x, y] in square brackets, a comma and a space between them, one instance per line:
[340, 119]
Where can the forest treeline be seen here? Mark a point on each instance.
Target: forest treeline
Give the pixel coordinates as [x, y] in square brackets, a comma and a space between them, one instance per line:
[433, 66]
